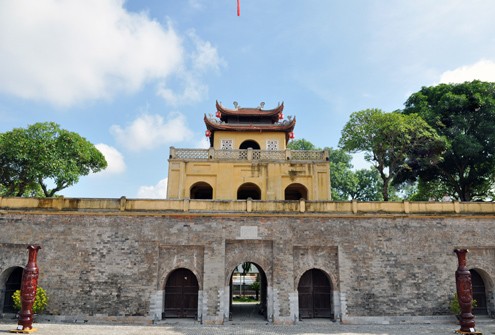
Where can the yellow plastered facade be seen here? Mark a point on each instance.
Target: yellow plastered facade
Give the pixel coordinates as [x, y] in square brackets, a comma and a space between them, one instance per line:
[272, 168]
[238, 138]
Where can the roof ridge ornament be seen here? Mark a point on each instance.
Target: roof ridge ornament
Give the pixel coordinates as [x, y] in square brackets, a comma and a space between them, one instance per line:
[236, 105]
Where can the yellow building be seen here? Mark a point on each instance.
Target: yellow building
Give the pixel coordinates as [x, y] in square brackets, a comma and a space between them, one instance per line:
[248, 158]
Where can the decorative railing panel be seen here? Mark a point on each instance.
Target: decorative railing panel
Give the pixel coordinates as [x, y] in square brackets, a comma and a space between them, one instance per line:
[272, 154]
[307, 155]
[191, 154]
[248, 155]
[230, 155]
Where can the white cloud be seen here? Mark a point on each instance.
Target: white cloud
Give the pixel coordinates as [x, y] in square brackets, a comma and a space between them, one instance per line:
[193, 91]
[201, 61]
[64, 52]
[150, 131]
[196, 4]
[203, 143]
[205, 57]
[158, 191]
[114, 158]
[483, 70]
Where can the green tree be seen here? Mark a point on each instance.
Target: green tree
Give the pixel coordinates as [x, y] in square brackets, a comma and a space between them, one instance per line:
[301, 144]
[43, 155]
[347, 184]
[393, 142]
[429, 190]
[464, 114]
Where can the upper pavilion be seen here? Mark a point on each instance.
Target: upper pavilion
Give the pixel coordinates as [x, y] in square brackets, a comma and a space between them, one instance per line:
[250, 120]
[248, 158]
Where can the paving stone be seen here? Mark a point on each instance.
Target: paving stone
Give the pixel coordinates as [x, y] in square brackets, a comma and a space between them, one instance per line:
[304, 328]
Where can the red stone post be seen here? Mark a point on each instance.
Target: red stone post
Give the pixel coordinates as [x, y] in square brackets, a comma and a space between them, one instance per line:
[464, 292]
[29, 284]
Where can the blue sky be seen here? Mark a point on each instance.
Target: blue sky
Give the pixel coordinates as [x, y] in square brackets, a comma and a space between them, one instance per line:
[136, 77]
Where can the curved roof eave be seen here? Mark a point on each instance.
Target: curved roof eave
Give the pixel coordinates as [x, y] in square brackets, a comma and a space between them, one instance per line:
[285, 127]
[250, 111]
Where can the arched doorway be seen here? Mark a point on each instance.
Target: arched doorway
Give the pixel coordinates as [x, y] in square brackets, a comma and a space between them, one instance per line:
[201, 190]
[248, 190]
[181, 295]
[248, 293]
[12, 284]
[250, 144]
[315, 295]
[479, 293]
[296, 192]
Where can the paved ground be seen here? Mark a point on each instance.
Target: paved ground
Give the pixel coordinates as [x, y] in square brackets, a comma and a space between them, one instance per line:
[246, 321]
[189, 328]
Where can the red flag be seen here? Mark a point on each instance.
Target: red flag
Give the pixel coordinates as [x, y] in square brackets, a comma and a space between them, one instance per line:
[238, 7]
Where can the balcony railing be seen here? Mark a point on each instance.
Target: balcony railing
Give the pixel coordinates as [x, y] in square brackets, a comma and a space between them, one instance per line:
[248, 155]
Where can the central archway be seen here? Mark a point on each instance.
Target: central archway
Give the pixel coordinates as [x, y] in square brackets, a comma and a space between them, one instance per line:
[248, 190]
[296, 191]
[248, 293]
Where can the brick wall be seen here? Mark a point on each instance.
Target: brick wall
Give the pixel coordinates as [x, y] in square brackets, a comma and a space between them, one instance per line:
[104, 265]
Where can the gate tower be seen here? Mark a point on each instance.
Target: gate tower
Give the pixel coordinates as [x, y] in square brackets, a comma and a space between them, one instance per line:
[248, 158]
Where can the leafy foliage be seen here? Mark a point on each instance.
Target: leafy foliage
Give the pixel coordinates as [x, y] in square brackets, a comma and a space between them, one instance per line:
[395, 143]
[255, 286]
[40, 301]
[43, 154]
[363, 184]
[464, 114]
[432, 190]
[455, 307]
[301, 144]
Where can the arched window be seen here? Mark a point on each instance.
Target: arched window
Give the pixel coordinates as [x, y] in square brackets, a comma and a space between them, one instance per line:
[250, 144]
[296, 191]
[181, 294]
[248, 190]
[201, 190]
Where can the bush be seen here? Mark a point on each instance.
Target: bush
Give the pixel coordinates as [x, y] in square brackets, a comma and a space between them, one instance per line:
[243, 299]
[40, 302]
[454, 306]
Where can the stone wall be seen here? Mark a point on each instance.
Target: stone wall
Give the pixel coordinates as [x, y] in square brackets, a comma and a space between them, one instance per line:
[114, 265]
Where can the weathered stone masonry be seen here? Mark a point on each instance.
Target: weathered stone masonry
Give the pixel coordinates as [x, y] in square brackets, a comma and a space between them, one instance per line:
[113, 264]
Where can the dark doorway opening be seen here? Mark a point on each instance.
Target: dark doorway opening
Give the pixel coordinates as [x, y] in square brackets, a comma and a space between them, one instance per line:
[479, 293]
[296, 192]
[181, 295]
[12, 284]
[250, 144]
[201, 190]
[248, 293]
[248, 190]
[315, 295]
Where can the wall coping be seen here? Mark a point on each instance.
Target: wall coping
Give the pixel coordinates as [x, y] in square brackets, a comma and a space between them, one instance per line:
[242, 207]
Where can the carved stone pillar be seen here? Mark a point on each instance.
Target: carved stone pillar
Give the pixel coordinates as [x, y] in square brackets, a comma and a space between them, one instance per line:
[464, 293]
[29, 285]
